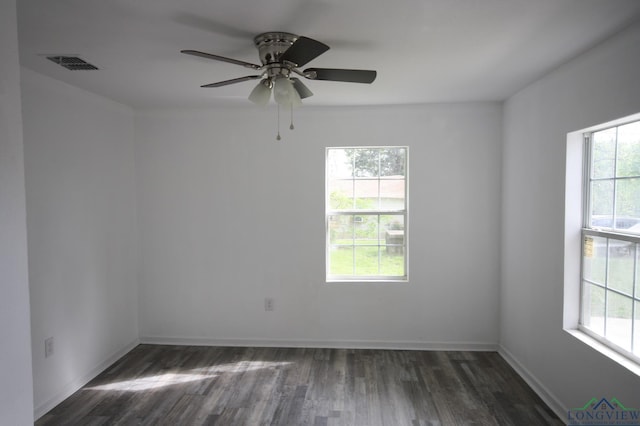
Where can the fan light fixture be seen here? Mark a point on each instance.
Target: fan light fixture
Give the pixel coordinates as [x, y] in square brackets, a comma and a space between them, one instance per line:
[281, 54]
[261, 93]
[285, 94]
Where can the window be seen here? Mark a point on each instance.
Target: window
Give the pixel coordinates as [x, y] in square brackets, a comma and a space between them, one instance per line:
[366, 213]
[610, 290]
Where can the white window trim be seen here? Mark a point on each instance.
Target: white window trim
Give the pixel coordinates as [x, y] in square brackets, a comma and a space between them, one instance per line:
[328, 212]
[574, 222]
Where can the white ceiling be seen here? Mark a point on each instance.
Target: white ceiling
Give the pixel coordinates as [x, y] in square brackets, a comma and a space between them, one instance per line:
[423, 50]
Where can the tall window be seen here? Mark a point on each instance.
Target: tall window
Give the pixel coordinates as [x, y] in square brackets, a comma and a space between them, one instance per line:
[366, 213]
[610, 305]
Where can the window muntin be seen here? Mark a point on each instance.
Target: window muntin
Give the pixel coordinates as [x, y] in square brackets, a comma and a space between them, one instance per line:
[366, 213]
[610, 302]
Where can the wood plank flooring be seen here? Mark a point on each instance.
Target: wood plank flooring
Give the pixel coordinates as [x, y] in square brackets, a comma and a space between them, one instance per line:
[189, 385]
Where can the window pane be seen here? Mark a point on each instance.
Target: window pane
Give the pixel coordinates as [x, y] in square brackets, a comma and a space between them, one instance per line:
[637, 294]
[366, 162]
[619, 320]
[621, 263]
[602, 203]
[391, 264]
[628, 162]
[392, 194]
[341, 230]
[392, 233]
[367, 261]
[595, 259]
[603, 154]
[340, 194]
[636, 331]
[593, 308]
[341, 260]
[393, 162]
[627, 203]
[366, 193]
[340, 163]
[366, 229]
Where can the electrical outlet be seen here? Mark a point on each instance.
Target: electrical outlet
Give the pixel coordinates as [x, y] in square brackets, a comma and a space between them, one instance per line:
[268, 304]
[48, 347]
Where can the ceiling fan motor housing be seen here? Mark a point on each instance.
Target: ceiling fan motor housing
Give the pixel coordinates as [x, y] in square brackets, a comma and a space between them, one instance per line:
[271, 46]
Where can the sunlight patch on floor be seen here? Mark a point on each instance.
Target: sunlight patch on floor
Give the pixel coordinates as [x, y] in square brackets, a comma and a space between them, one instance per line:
[152, 382]
[197, 374]
[241, 366]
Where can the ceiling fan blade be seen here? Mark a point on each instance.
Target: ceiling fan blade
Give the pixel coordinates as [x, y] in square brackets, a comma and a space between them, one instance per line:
[302, 90]
[232, 81]
[303, 50]
[221, 58]
[336, 74]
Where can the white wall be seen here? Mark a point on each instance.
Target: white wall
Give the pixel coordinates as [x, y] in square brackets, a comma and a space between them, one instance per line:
[81, 218]
[229, 216]
[16, 389]
[596, 87]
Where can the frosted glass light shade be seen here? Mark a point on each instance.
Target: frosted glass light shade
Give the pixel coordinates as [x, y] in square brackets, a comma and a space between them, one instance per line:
[295, 98]
[285, 94]
[303, 91]
[260, 94]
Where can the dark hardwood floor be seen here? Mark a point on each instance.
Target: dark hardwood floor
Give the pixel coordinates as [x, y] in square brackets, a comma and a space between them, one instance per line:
[188, 385]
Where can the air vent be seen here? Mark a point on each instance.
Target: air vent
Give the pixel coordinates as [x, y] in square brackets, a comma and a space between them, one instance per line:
[72, 63]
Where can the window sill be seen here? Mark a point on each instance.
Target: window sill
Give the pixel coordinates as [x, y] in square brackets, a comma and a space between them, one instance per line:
[620, 359]
[366, 281]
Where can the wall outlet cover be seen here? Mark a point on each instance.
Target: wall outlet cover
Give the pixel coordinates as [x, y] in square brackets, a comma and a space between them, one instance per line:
[48, 347]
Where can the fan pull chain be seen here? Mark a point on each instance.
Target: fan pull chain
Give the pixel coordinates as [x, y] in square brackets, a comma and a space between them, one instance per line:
[278, 137]
[291, 125]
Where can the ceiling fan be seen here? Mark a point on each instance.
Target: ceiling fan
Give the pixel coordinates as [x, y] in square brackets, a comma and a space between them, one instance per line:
[281, 55]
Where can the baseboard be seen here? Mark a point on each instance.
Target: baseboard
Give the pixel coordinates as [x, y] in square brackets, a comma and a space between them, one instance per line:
[76, 384]
[535, 384]
[337, 344]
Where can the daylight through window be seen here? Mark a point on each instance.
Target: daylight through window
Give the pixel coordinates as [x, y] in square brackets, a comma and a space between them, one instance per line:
[610, 305]
[366, 213]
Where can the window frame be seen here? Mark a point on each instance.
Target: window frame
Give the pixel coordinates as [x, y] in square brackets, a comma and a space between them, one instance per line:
[588, 231]
[330, 278]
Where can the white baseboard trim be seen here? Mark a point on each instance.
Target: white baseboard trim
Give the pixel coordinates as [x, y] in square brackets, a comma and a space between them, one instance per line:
[68, 390]
[337, 344]
[549, 398]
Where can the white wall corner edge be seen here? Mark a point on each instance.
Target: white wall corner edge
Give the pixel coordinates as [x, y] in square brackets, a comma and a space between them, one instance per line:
[71, 387]
[540, 389]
